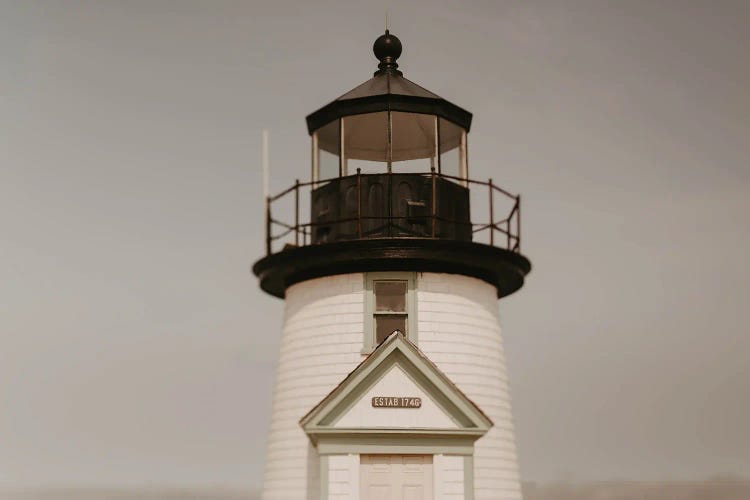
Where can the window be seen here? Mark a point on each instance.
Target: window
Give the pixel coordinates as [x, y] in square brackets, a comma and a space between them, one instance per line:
[390, 308]
[390, 305]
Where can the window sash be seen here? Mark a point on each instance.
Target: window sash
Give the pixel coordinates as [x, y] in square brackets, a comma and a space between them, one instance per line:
[371, 314]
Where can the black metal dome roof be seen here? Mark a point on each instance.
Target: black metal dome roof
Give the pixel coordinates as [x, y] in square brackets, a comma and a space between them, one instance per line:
[388, 90]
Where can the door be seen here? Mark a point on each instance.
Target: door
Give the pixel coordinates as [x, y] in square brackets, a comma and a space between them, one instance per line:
[395, 477]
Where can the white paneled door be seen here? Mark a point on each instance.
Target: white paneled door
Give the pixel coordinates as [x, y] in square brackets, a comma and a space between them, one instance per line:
[395, 477]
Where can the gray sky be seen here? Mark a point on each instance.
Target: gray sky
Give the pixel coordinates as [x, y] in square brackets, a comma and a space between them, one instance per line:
[136, 347]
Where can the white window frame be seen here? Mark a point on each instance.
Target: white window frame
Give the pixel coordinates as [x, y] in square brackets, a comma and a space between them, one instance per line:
[410, 278]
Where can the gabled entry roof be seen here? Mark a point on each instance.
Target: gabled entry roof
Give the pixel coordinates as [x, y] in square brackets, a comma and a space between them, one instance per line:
[396, 362]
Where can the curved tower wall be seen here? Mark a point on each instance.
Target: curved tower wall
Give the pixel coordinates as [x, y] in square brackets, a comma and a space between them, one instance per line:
[321, 343]
[458, 330]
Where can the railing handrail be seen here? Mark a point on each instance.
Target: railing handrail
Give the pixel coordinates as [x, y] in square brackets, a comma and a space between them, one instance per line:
[513, 238]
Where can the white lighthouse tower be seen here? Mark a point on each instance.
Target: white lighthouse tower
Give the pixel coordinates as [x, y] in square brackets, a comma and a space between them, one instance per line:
[391, 380]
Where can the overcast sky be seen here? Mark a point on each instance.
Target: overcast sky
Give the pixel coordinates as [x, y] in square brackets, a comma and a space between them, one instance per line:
[136, 346]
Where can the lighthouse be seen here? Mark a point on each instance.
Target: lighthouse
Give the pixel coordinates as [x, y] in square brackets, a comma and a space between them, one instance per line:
[391, 381]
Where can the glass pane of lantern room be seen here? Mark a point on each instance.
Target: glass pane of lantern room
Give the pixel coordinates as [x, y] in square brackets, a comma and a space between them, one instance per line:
[366, 143]
[413, 138]
[450, 151]
[328, 150]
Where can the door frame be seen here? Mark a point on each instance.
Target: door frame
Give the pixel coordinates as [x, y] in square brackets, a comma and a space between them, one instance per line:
[468, 467]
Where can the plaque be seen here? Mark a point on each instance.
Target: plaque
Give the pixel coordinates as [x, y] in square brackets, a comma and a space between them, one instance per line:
[396, 402]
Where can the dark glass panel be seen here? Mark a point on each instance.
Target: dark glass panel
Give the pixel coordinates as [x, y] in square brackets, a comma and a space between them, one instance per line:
[390, 296]
[387, 324]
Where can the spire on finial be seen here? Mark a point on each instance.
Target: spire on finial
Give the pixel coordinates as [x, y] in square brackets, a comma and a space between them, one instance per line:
[387, 49]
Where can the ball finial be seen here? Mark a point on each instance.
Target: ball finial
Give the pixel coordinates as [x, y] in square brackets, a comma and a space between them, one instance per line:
[387, 48]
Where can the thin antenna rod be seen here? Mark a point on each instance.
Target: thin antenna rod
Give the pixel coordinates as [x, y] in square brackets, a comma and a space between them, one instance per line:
[266, 198]
[266, 172]
[387, 21]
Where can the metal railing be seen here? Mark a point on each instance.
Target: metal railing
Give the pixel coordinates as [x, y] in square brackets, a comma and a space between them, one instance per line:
[503, 233]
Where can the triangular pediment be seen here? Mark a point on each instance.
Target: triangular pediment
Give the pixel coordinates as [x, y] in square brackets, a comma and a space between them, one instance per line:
[395, 400]
[396, 389]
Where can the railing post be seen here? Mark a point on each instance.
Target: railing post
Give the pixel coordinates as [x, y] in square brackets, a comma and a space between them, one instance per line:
[433, 209]
[359, 203]
[492, 216]
[268, 225]
[296, 212]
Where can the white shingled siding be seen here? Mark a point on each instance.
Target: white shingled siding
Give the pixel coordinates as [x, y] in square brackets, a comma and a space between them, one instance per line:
[323, 332]
[320, 345]
[459, 330]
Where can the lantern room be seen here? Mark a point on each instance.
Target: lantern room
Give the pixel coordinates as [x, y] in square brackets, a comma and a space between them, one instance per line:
[389, 124]
[394, 132]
